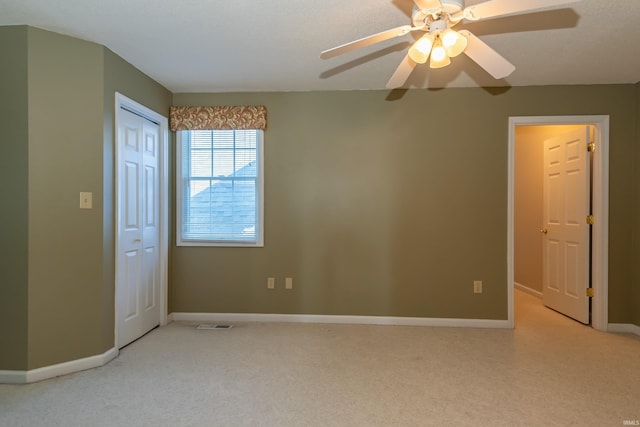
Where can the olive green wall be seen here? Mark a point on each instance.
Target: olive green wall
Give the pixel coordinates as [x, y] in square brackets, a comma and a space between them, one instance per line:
[527, 189]
[393, 207]
[13, 198]
[59, 283]
[65, 158]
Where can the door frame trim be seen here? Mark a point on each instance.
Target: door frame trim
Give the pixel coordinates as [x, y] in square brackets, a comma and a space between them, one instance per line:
[121, 101]
[600, 230]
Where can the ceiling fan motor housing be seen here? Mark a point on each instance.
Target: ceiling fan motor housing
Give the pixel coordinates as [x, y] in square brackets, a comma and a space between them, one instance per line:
[448, 7]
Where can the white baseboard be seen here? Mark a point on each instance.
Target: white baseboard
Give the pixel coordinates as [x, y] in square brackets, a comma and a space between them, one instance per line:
[625, 328]
[528, 290]
[13, 377]
[169, 318]
[46, 372]
[355, 320]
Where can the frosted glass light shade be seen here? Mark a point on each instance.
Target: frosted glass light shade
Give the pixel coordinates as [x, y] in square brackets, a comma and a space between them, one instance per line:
[419, 51]
[439, 57]
[453, 42]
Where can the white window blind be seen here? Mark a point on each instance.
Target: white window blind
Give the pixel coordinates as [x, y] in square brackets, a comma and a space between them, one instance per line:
[220, 187]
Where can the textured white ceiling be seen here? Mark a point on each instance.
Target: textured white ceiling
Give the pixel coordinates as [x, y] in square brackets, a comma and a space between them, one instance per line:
[259, 45]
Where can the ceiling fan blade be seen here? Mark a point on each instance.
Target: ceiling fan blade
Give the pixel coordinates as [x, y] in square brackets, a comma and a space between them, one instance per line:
[402, 73]
[366, 41]
[428, 4]
[486, 57]
[494, 8]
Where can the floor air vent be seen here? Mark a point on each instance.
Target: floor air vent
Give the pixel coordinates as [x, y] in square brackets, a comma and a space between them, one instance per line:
[209, 326]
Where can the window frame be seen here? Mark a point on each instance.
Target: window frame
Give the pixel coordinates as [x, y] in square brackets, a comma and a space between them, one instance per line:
[259, 241]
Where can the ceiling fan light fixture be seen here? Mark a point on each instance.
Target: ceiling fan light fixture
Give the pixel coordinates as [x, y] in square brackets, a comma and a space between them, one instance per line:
[454, 42]
[440, 43]
[420, 50]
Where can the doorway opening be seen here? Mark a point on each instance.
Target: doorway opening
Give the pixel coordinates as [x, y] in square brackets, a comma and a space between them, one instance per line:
[600, 188]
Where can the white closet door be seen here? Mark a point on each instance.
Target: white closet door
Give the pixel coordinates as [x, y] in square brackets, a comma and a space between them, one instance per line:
[138, 261]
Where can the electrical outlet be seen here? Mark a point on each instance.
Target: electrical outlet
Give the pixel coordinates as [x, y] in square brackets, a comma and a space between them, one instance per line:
[477, 286]
[288, 283]
[271, 283]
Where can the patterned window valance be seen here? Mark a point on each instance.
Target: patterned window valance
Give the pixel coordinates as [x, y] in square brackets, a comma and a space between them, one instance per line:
[226, 117]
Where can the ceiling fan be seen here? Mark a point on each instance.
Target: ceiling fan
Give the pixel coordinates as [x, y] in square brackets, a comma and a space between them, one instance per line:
[440, 42]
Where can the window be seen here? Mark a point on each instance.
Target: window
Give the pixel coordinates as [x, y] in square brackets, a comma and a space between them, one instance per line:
[219, 188]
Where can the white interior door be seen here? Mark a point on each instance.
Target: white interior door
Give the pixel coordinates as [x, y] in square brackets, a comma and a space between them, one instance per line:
[565, 231]
[138, 259]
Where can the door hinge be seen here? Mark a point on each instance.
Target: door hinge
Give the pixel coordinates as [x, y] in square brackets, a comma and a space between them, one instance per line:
[590, 220]
[590, 292]
[591, 147]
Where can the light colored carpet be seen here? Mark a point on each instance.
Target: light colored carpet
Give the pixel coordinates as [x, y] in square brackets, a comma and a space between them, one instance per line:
[549, 371]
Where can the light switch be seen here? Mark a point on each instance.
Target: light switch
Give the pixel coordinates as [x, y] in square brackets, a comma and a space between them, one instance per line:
[477, 286]
[86, 200]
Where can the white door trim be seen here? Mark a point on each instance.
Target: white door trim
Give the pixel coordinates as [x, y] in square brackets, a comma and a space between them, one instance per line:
[600, 229]
[129, 104]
